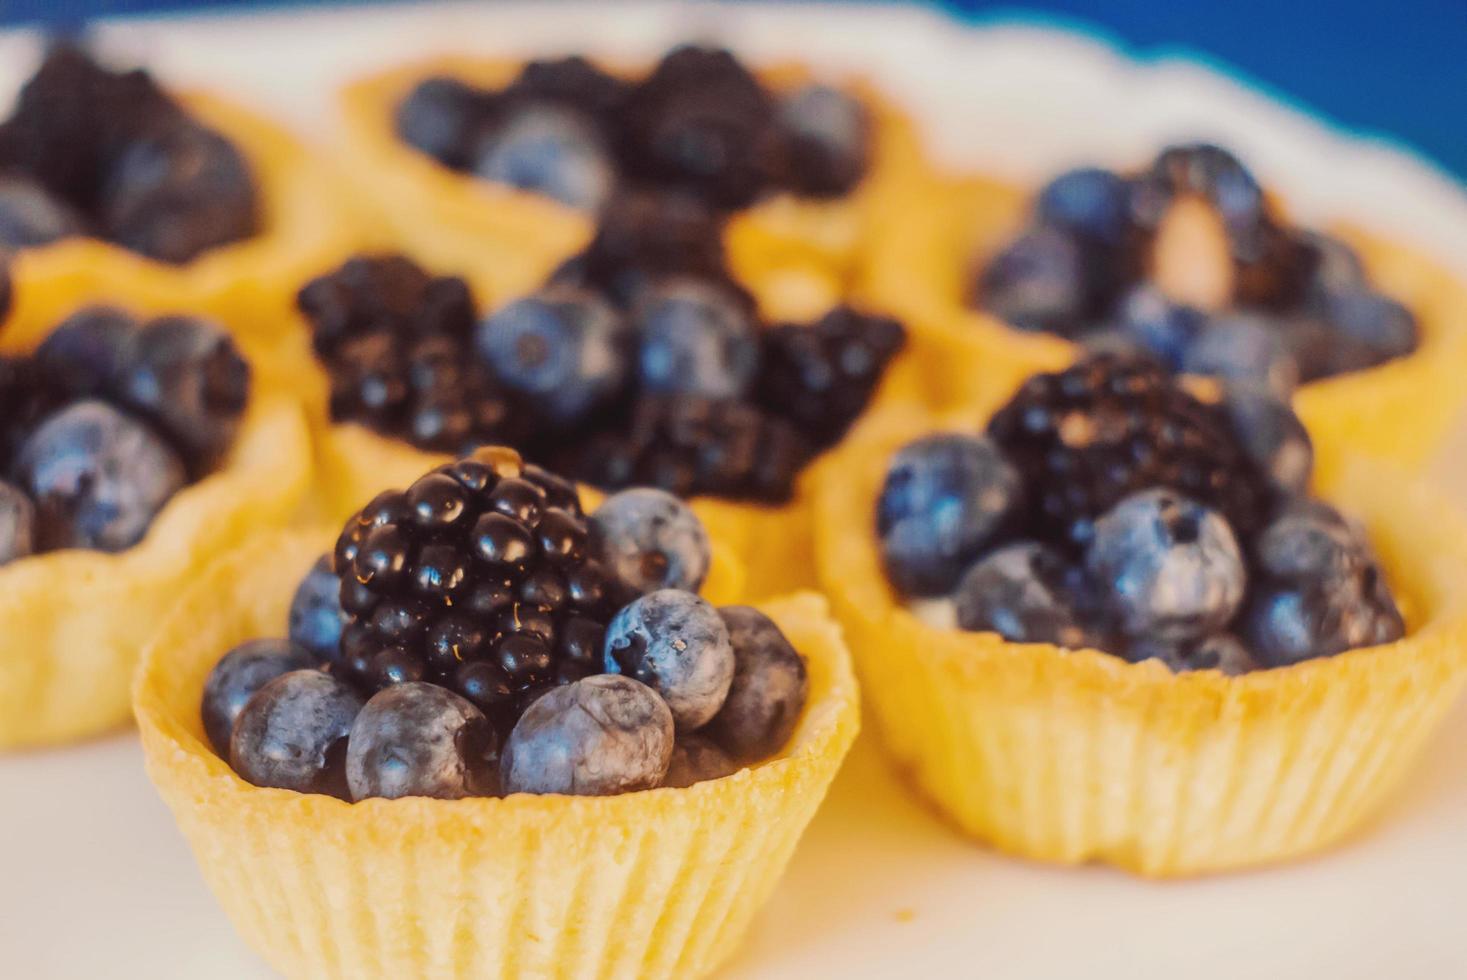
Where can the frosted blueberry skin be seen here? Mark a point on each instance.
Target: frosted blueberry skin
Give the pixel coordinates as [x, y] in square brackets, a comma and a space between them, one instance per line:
[767, 695]
[697, 338]
[419, 739]
[87, 354]
[550, 150]
[828, 140]
[945, 498]
[292, 734]
[1222, 652]
[1173, 568]
[1037, 283]
[17, 523]
[1384, 327]
[695, 759]
[31, 217]
[600, 736]
[676, 644]
[238, 675]
[1156, 324]
[1243, 349]
[1088, 201]
[1310, 543]
[1273, 437]
[1024, 592]
[1284, 625]
[564, 347]
[98, 477]
[443, 118]
[187, 374]
[316, 617]
[651, 540]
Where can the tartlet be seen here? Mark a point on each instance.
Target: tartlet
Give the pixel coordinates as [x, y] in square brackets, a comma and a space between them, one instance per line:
[306, 222]
[514, 237]
[654, 883]
[1075, 756]
[77, 619]
[1400, 410]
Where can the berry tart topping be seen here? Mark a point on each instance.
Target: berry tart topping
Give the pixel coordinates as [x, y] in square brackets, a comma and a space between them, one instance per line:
[1110, 508]
[698, 123]
[88, 151]
[1233, 291]
[478, 634]
[106, 421]
[634, 365]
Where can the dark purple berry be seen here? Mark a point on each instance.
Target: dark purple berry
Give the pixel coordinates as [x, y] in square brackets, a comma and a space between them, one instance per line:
[415, 739]
[292, 733]
[238, 675]
[768, 692]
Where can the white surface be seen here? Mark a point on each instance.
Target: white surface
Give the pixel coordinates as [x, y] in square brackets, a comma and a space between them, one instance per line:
[96, 882]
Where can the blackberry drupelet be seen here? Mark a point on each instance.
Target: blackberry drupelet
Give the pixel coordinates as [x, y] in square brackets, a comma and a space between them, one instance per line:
[700, 120]
[395, 342]
[1086, 437]
[692, 446]
[478, 578]
[821, 376]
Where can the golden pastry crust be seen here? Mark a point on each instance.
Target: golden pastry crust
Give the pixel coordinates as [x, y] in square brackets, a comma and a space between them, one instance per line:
[307, 223]
[660, 883]
[1080, 756]
[75, 620]
[1401, 411]
[509, 240]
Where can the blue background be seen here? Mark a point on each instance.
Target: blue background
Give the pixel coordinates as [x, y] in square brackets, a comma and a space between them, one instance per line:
[1396, 69]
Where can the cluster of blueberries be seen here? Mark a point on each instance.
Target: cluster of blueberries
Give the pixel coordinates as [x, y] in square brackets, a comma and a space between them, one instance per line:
[479, 636]
[1302, 306]
[1246, 577]
[106, 421]
[93, 152]
[699, 122]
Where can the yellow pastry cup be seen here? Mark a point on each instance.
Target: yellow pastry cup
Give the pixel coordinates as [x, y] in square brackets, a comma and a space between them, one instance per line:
[1076, 756]
[307, 222]
[661, 883]
[76, 620]
[1400, 411]
[511, 239]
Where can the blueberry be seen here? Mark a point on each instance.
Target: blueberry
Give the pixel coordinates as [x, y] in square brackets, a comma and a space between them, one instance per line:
[188, 375]
[1311, 544]
[1243, 348]
[1163, 328]
[599, 736]
[1222, 652]
[651, 540]
[1207, 171]
[1337, 266]
[98, 477]
[443, 117]
[17, 523]
[238, 675]
[316, 616]
[87, 354]
[550, 150]
[697, 338]
[945, 498]
[695, 759]
[1285, 624]
[1038, 282]
[1025, 593]
[418, 739]
[828, 138]
[770, 686]
[1378, 323]
[1088, 201]
[1273, 437]
[292, 733]
[678, 645]
[564, 347]
[1173, 567]
[31, 217]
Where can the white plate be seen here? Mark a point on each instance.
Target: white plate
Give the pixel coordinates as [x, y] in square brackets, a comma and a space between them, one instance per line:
[96, 882]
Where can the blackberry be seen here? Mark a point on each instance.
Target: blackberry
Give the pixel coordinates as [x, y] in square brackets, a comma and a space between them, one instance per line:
[645, 235]
[701, 121]
[821, 376]
[1110, 426]
[478, 578]
[690, 446]
[396, 343]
